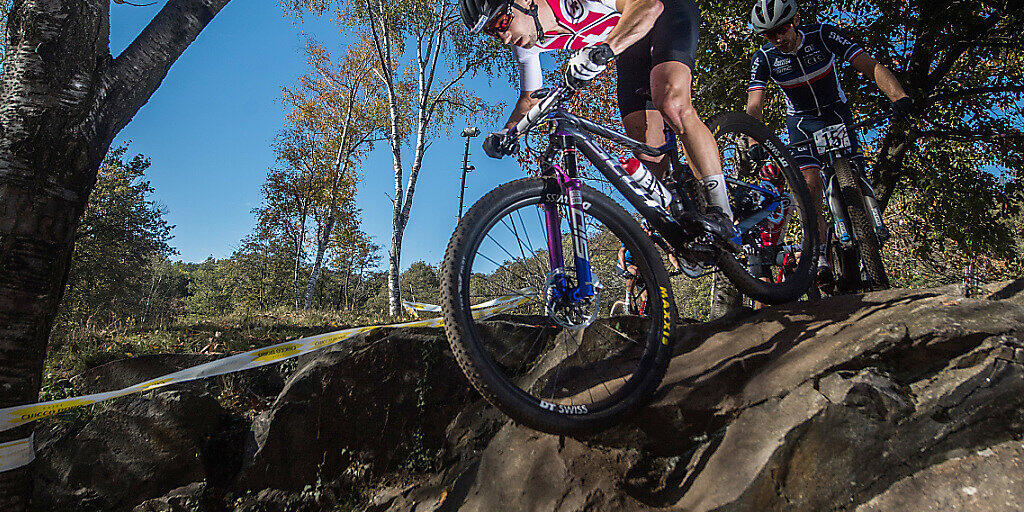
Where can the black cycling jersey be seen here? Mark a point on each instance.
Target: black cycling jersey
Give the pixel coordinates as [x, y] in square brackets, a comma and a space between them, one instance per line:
[809, 76]
[673, 38]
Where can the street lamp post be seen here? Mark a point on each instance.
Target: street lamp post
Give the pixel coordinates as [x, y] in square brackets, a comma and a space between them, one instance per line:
[468, 133]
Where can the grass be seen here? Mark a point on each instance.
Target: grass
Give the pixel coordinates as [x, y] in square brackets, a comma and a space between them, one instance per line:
[75, 349]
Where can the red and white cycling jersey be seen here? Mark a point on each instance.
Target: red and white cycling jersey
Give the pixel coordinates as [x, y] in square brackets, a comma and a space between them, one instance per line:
[583, 22]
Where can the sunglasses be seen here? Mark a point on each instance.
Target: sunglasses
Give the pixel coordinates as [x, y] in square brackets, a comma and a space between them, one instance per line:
[499, 23]
[779, 30]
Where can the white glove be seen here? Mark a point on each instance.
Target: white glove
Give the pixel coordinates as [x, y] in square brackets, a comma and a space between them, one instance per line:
[589, 62]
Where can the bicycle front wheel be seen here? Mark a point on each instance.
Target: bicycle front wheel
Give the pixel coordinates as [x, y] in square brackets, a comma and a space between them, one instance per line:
[863, 229]
[528, 338]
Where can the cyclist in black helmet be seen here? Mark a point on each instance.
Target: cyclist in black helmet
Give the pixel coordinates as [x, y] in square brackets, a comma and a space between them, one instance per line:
[804, 60]
[654, 43]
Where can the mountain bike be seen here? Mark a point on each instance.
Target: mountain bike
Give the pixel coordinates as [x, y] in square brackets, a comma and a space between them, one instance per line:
[634, 302]
[856, 231]
[558, 362]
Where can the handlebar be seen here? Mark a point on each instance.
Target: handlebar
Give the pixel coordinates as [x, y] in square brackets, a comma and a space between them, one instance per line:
[553, 98]
[856, 126]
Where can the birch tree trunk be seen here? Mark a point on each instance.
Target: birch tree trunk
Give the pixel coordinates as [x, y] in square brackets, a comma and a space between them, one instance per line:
[63, 100]
[325, 236]
[428, 31]
[384, 41]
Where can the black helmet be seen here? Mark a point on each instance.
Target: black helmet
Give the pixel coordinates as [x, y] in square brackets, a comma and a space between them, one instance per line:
[476, 13]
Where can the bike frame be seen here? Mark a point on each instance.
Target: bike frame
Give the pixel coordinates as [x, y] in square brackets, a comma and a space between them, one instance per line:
[571, 135]
[835, 202]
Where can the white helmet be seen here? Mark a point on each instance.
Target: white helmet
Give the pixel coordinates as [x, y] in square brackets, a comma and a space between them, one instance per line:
[769, 14]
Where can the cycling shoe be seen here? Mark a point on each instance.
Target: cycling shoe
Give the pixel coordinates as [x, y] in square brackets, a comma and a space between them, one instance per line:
[826, 278]
[721, 227]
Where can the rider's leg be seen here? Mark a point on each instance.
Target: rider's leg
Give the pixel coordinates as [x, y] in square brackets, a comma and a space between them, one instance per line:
[631, 282]
[812, 175]
[631, 288]
[647, 125]
[802, 128]
[671, 90]
[639, 117]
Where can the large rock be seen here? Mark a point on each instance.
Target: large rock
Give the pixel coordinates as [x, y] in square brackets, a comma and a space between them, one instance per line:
[895, 400]
[365, 406]
[1012, 291]
[128, 372]
[857, 401]
[137, 448]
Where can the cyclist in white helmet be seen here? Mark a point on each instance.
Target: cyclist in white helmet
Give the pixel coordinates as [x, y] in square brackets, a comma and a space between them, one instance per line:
[804, 60]
[654, 43]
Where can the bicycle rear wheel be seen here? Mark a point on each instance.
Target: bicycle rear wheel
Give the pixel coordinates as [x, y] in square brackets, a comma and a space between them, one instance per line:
[556, 365]
[790, 231]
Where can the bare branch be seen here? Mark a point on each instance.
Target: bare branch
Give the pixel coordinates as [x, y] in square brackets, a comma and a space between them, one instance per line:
[974, 91]
[139, 70]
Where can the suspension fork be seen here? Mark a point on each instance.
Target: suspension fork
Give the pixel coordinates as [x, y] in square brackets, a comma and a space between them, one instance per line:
[871, 204]
[834, 200]
[572, 190]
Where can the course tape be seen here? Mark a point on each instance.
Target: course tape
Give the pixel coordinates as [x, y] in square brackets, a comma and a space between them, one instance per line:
[19, 415]
[16, 454]
[421, 306]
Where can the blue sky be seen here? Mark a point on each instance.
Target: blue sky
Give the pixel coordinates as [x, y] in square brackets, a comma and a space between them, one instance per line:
[209, 126]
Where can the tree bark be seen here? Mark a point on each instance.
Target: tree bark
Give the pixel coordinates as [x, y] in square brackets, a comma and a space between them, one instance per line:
[383, 40]
[64, 98]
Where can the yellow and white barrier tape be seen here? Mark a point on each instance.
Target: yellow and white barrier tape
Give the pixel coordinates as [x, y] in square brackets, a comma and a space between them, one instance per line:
[421, 306]
[12, 417]
[16, 454]
[414, 308]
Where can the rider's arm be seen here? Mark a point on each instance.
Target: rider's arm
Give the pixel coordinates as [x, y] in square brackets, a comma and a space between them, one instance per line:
[530, 80]
[847, 49]
[638, 17]
[760, 73]
[873, 70]
[523, 105]
[622, 257]
[755, 103]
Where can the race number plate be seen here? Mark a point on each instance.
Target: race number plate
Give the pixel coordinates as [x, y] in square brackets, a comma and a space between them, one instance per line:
[833, 137]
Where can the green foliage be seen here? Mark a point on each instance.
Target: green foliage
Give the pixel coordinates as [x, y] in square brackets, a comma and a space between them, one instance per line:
[420, 283]
[119, 267]
[208, 292]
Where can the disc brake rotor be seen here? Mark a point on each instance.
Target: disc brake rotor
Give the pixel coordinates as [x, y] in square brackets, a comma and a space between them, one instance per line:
[567, 310]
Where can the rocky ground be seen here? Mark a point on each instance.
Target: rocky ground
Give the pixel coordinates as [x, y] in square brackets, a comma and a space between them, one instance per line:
[909, 400]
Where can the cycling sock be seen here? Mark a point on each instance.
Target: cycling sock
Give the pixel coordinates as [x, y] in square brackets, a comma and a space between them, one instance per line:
[823, 256]
[714, 187]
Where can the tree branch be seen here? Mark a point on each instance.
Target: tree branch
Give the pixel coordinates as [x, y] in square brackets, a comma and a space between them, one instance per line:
[139, 70]
[972, 91]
